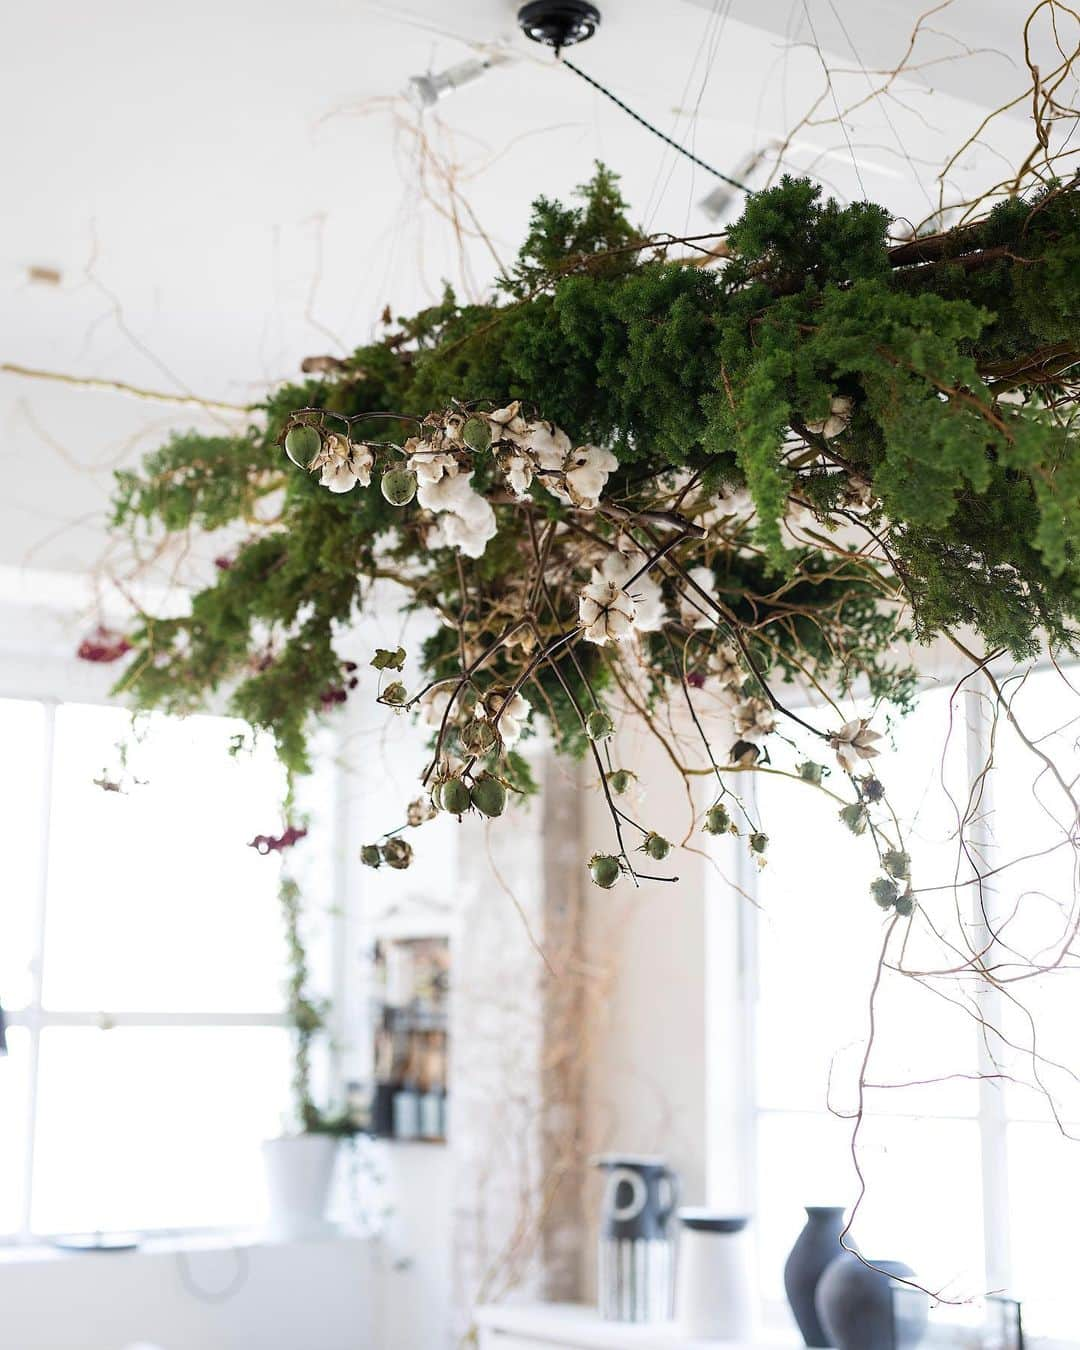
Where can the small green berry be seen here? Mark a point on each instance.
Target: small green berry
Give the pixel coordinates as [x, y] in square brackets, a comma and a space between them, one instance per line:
[398, 486]
[717, 820]
[656, 846]
[488, 795]
[759, 842]
[454, 797]
[605, 870]
[599, 726]
[477, 434]
[303, 443]
[619, 780]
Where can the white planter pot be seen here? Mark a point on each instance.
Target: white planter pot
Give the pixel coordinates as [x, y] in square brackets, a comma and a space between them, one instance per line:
[713, 1299]
[299, 1169]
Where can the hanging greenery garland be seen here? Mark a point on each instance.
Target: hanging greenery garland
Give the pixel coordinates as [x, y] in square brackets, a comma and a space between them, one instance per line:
[641, 481]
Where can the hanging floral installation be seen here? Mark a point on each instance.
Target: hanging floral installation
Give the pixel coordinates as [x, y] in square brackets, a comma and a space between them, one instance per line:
[635, 482]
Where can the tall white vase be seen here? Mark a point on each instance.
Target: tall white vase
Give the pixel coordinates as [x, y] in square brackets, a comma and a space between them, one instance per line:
[299, 1169]
[712, 1298]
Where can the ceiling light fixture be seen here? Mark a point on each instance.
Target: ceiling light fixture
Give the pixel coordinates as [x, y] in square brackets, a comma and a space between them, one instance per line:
[558, 23]
[426, 90]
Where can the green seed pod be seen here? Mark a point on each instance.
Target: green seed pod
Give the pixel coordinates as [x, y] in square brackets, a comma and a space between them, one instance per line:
[759, 842]
[905, 905]
[854, 817]
[656, 846]
[478, 736]
[370, 855]
[397, 853]
[599, 726]
[454, 797]
[477, 434]
[717, 820]
[488, 795]
[398, 486]
[395, 694]
[885, 892]
[303, 443]
[604, 869]
[896, 863]
[619, 780]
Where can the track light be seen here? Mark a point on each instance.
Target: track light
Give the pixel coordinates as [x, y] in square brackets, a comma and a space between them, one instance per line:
[426, 90]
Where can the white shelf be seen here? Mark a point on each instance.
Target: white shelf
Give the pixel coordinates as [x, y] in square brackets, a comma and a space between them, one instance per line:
[581, 1328]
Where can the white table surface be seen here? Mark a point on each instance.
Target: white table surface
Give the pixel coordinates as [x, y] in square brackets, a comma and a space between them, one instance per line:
[574, 1324]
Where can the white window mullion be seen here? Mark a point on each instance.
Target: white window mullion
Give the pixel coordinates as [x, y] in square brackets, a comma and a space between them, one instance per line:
[33, 1019]
[993, 1122]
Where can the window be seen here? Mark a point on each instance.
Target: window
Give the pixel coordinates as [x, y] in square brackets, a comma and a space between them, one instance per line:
[141, 971]
[968, 1178]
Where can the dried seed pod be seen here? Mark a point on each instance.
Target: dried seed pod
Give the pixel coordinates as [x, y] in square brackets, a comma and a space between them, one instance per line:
[478, 736]
[397, 853]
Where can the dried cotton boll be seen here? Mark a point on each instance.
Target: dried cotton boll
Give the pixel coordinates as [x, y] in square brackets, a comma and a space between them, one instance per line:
[434, 703]
[507, 423]
[511, 718]
[836, 422]
[466, 520]
[431, 465]
[648, 599]
[605, 611]
[397, 853]
[853, 742]
[754, 719]
[548, 443]
[588, 469]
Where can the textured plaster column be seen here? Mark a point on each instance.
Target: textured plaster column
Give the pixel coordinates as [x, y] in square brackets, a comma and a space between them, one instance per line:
[517, 1070]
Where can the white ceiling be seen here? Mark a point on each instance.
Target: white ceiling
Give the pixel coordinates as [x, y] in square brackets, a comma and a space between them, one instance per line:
[228, 187]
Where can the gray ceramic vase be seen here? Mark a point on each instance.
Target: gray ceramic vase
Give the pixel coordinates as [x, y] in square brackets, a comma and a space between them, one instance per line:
[854, 1303]
[815, 1248]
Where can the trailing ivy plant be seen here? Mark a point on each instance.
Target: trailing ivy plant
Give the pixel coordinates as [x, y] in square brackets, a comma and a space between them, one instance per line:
[635, 482]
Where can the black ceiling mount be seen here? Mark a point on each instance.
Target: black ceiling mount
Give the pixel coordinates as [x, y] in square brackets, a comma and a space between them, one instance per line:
[558, 23]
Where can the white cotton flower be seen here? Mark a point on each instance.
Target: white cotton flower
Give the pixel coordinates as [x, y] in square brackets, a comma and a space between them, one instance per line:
[466, 519]
[837, 420]
[431, 465]
[585, 477]
[854, 741]
[512, 717]
[754, 719]
[433, 704]
[343, 464]
[619, 567]
[694, 610]
[549, 443]
[519, 474]
[507, 423]
[605, 611]
[725, 665]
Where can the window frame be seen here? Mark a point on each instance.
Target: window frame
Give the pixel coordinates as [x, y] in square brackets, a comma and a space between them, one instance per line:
[35, 1018]
[742, 1002]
